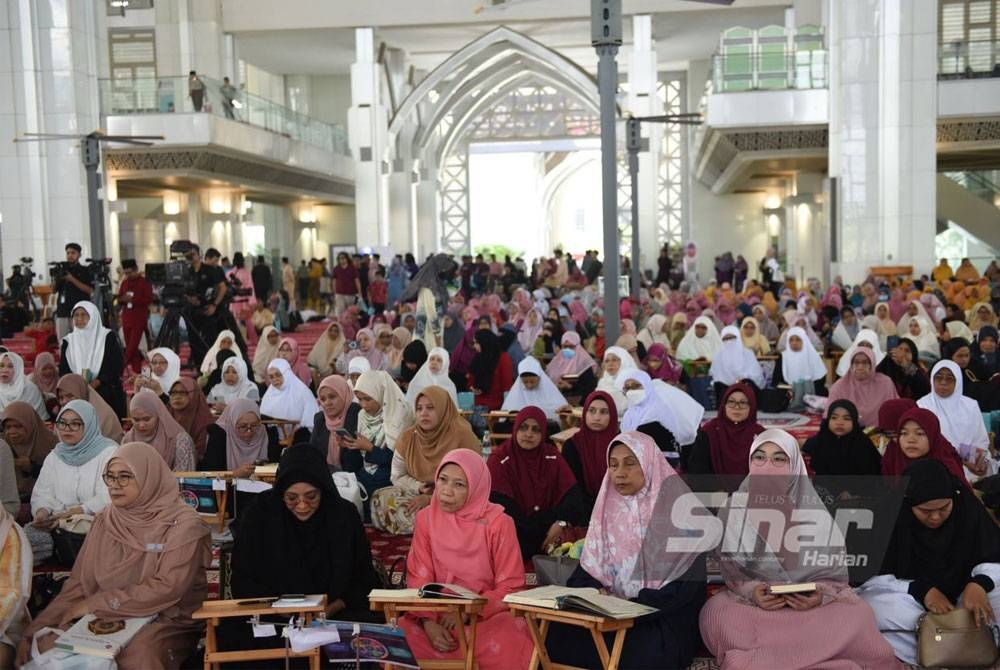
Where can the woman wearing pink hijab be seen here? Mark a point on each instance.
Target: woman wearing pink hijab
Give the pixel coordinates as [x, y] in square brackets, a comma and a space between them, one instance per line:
[573, 360]
[863, 386]
[462, 538]
[289, 350]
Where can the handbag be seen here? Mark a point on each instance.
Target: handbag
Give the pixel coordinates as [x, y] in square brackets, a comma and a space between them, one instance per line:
[954, 640]
[553, 569]
[351, 490]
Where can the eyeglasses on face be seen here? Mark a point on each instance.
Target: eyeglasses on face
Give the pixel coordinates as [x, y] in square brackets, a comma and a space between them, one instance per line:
[69, 425]
[310, 498]
[248, 427]
[738, 404]
[778, 460]
[119, 481]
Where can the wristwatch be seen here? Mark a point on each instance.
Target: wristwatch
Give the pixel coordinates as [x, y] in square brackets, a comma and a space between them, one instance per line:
[562, 524]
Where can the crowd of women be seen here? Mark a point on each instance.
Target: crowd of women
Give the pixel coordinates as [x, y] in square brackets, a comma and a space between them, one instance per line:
[379, 397]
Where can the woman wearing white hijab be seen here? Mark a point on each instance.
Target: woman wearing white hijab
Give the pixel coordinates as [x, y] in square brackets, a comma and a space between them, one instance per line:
[234, 384]
[866, 338]
[208, 364]
[287, 397]
[914, 310]
[961, 420]
[616, 361]
[327, 349]
[652, 332]
[701, 341]
[802, 364]
[734, 362]
[924, 336]
[656, 402]
[533, 387]
[531, 329]
[91, 350]
[15, 385]
[434, 372]
[164, 371]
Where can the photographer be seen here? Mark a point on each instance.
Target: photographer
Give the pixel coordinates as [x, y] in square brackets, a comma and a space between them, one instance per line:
[210, 292]
[73, 283]
[134, 296]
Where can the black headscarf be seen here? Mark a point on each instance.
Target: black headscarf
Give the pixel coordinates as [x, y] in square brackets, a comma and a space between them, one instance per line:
[911, 381]
[852, 454]
[484, 363]
[275, 553]
[414, 353]
[985, 365]
[943, 557]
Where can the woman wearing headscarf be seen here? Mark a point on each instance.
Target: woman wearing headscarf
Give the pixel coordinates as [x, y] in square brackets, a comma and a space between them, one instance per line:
[288, 349]
[314, 535]
[800, 366]
[439, 430]
[615, 361]
[533, 387]
[287, 397]
[796, 318]
[701, 341]
[414, 357]
[748, 627]
[846, 330]
[153, 425]
[944, 553]
[586, 452]
[886, 326]
[734, 363]
[765, 324]
[401, 337]
[29, 441]
[224, 341]
[462, 538]
[384, 416]
[723, 443]
[981, 314]
[491, 371]
[146, 555]
[841, 448]
[239, 441]
[191, 412]
[453, 330]
[15, 585]
[266, 351]
[866, 339]
[914, 310]
[74, 387]
[961, 420]
[654, 331]
[328, 348]
[534, 485]
[15, 385]
[752, 337]
[661, 365]
[678, 326]
[924, 336]
[864, 386]
[434, 372]
[233, 384]
[93, 351]
[45, 374]
[985, 361]
[366, 349]
[572, 369]
[903, 367]
[665, 413]
[620, 558]
[164, 369]
[918, 437]
[337, 412]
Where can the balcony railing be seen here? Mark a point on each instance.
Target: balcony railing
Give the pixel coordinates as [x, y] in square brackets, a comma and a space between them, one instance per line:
[984, 185]
[757, 71]
[969, 59]
[168, 95]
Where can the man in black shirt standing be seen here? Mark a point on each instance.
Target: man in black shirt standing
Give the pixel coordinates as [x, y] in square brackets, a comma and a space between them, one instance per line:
[263, 283]
[210, 290]
[75, 285]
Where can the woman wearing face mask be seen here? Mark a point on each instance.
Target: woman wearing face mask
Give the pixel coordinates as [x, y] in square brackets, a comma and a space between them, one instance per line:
[616, 560]
[918, 437]
[586, 452]
[961, 420]
[572, 368]
[434, 372]
[93, 351]
[749, 627]
[723, 443]
[841, 446]
[534, 485]
[864, 387]
[15, 385]
[665, 413]
[944, 554]
[533, 387]
[439, 430]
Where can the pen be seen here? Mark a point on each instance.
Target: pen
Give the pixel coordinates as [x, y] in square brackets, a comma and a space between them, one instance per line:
[256, 601]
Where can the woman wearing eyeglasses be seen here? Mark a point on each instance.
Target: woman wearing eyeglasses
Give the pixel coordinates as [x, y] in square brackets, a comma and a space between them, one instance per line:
[723, 444]
[146, 555]
[238, 441]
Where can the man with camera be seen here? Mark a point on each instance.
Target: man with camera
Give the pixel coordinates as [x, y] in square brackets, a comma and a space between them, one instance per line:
[209, 294]
[134, 297]
[73, 283]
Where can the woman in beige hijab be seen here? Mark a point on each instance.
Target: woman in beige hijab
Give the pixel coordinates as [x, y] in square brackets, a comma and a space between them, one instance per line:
[75, 387]
[325, 352]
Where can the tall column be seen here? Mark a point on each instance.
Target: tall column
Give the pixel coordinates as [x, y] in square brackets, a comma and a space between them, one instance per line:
[883, 95]
[427, 217]
[643, 101]
[400, 206]
[48, 84]
[367, 125]
[298, 91]
[189, 37]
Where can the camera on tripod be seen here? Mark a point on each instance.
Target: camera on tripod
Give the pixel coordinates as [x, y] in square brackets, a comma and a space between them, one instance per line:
[58, 270]
[176, 275]
[100, 269]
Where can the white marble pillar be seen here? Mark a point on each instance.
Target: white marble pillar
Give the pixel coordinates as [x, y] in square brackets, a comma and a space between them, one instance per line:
[367, 125]
[883, 96]
[400, 197]
[643, 101]
[298, 90]
[189, 37]
[428, 238]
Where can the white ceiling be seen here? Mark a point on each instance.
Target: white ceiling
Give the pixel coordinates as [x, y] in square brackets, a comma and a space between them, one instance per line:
[681, 36]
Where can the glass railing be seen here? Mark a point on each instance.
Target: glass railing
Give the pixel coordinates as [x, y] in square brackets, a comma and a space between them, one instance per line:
[985, 185]
[777, 70]
[167, 95]
[971, 59]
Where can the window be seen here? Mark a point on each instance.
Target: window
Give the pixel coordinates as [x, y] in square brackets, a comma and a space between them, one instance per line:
[133, 70]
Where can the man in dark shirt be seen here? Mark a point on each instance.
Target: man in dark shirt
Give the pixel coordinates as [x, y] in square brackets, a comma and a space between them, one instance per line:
[263, 282]
[346, 284]
[595, 268]
[74, 286]
[210, 290]
[134, 297]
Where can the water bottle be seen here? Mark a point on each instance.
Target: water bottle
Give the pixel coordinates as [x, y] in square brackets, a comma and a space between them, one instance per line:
[487, 444]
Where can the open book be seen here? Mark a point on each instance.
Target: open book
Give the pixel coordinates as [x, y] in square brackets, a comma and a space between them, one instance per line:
[100, 637]
[586, 600]
[428, 591]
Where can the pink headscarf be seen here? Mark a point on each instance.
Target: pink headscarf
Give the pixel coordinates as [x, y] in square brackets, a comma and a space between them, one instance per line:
[164, 437]
[578, 364]
[867, 395]
[42, 361]
[628, 327]
[618, 552]
[299, 366]
[240, 451]
[338, 385]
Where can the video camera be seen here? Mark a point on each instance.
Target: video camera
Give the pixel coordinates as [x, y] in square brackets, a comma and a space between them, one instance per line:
[100, 269]
[177, 275]
[20, 277]
[58, 270]
[236, 288]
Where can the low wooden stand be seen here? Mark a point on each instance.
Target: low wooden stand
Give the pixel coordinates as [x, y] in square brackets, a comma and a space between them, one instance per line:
[213, 611]
[221, 497]
[394, 607]
[538, 619]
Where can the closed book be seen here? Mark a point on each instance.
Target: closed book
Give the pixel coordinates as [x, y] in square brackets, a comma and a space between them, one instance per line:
[784, 589]
[85, 636]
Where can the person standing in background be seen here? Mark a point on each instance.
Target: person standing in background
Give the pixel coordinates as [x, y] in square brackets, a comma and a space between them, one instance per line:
[196, 90]
[134, 297]
[229, 94]
[263, 282]
[288, 281]
[75, 285]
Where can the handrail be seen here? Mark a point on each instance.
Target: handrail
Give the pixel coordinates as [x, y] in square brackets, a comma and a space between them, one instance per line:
[770, 70]
[977, 183]
[159, 95]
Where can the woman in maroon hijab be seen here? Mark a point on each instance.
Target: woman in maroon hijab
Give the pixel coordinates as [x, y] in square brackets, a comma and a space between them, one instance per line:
[586, 453]
[535, 486]
[918, 437]
[723, 444]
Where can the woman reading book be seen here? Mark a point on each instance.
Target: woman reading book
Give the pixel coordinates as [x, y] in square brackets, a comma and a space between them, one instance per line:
[749, 625]
[145, 556]
[619, 559]
[464, 539]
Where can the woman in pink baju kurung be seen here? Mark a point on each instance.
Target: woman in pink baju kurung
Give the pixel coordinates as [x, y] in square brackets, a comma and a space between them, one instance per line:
[745, 626]
[462, 538]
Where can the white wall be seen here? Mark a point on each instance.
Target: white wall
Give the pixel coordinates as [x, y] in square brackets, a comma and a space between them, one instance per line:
[330, 98]
[721, 223]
